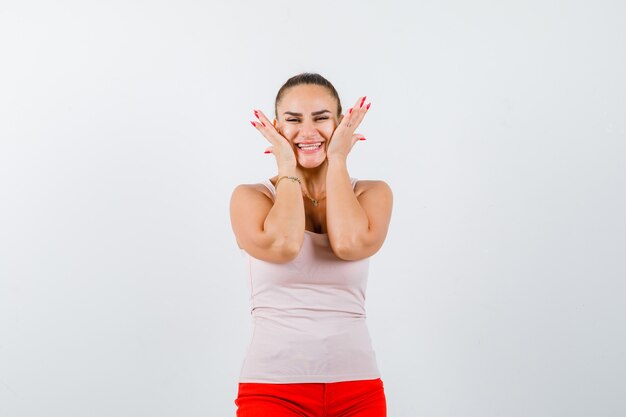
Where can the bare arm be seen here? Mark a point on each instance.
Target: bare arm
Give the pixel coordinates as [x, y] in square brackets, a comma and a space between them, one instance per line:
[357, 227]
[345, 218]
[271, 231]
[285, 221]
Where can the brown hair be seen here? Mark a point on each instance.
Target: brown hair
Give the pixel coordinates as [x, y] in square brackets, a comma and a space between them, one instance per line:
[307, 78]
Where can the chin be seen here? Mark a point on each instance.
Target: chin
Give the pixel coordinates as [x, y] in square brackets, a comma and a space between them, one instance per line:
[309, 163]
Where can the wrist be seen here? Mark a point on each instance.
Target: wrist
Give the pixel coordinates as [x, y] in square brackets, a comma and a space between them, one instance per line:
[337, 160]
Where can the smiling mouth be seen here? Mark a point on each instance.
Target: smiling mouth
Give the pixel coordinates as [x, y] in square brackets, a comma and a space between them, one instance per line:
[310, 148]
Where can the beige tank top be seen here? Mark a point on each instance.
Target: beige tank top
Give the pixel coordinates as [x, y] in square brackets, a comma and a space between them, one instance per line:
[308, 316]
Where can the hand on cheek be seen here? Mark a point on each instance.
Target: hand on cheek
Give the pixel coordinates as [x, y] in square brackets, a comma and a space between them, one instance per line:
[344, 136]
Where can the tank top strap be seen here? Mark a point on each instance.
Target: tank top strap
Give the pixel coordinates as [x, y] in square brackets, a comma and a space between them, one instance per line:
[272, 189]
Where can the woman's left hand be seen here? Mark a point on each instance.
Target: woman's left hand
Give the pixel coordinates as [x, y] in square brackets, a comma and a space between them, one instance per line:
[344, 138]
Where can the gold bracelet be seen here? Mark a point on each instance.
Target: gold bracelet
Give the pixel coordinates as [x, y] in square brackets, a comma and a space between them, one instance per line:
[293, 179]
[296, 179]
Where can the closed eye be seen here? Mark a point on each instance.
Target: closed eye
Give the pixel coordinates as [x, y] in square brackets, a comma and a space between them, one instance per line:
[297, 120]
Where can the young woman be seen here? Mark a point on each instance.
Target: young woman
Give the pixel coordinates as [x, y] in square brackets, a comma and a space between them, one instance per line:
[307, 234]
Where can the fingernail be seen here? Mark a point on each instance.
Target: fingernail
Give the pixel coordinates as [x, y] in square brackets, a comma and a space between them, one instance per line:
[253, 124]
[363, 101]
[368, 106]
[263, 124]
[266, 152]
[362, 139]
[350, 110]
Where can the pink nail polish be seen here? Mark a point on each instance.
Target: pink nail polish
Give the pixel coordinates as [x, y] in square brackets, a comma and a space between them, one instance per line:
[350, 112]
[362, 139]
[263, 124]
[253, 124]
[267, 152]
[363, 101]
[368, 106]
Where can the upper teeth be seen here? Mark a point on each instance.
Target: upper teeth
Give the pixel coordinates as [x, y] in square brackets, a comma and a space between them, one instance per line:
[309, 145]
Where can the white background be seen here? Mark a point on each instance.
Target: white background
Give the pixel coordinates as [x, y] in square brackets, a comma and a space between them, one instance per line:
[500, 126]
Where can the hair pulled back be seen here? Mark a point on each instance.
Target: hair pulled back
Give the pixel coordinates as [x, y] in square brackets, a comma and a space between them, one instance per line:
[307, 78]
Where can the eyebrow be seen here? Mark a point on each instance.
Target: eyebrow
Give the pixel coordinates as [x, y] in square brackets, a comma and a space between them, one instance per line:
[315, 113]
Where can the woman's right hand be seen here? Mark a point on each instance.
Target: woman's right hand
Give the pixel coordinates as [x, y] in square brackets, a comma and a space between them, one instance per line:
[281, 147]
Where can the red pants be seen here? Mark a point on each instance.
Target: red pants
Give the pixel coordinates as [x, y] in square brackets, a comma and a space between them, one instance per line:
[365, 398]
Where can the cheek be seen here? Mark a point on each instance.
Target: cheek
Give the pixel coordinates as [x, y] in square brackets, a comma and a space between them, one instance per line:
[287, 131]
[328, 130]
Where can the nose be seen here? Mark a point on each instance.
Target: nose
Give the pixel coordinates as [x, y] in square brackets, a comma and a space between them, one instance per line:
[308, 129]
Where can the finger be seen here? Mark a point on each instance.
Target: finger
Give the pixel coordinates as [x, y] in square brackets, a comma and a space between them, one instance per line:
[359, 102]
[265, 131]
[356, 106]
[267, 123]
[354, 116]
[362, 101]
[266, 128]
[359, 111]
[357, 137]
[262, 118]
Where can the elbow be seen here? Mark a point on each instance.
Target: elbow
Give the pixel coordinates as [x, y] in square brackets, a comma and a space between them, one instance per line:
[354, 250]
[289, 253]
[347, 251]
[348, 254]
[287, 250]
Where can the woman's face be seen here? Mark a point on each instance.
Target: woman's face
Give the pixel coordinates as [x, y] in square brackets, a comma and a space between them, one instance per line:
[307, 113]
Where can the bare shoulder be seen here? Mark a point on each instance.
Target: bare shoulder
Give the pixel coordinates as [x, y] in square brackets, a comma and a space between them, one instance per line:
[249, 205]
[253, 189]
[375, 186]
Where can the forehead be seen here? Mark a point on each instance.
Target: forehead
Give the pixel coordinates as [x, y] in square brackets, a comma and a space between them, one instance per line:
[306, 96]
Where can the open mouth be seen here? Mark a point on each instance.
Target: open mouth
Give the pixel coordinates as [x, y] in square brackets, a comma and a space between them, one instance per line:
[310, 147]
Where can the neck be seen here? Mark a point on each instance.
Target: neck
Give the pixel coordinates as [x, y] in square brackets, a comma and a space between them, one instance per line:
[314, 179]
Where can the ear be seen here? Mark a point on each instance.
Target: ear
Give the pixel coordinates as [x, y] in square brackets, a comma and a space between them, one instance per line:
[275, 121]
